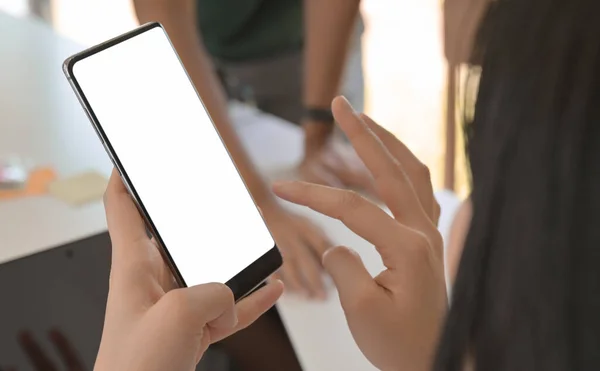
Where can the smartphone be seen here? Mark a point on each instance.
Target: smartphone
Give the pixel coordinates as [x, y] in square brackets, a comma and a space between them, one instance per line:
[160, 137]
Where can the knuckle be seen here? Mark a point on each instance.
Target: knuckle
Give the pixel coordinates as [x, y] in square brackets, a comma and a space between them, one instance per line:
[349, 203]
[223, 292]
[419, 246]
[427, 246]
[177, 303]
[423, 172]
[437, 209]
[350, 200]
[438, 244]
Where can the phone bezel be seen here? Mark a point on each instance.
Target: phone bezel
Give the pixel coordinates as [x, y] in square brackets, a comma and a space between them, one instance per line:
[242, 283]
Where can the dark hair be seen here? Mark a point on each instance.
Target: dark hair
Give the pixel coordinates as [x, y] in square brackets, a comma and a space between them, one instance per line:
[527, 294]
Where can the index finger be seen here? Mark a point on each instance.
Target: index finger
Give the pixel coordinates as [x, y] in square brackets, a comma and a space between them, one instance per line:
[361, 216]
[125, 225]
[416, 171]
[394, 187]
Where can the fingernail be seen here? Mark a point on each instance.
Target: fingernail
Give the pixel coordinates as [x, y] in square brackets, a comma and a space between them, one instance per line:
[347, 103]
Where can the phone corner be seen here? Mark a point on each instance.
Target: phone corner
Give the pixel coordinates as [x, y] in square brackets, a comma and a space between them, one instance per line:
[67, 66]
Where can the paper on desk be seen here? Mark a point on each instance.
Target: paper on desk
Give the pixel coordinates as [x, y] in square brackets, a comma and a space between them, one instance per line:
[37, 184]
[79, 189]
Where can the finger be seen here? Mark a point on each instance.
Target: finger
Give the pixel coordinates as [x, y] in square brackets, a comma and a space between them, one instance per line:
[348, 272]
[125, 226]
[292, 277]
[351, 173]
[393, 185]
[165, 277]
[227, 319]
[313, 236]
[417, 172]
[276, 276]
[34, 352]
[66, 351]
[360, 215]
[203, 304]
[319, 174]
[310, 270]
[251, 308]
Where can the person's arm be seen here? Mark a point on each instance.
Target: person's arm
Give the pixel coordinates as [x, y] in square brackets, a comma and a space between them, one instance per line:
[178, 17]
[328, 27]
[299, 240]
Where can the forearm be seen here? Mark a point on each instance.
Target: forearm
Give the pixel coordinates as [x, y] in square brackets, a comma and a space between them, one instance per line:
[328, 26]
[178, 18]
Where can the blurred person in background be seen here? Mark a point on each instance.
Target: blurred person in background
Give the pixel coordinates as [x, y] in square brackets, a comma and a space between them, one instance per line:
[527, 292]
[289, 58]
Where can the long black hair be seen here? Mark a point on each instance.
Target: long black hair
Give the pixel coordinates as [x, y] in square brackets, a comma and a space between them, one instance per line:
[527, 293]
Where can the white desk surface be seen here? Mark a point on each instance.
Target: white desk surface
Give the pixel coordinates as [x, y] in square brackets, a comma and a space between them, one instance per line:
[41, 120]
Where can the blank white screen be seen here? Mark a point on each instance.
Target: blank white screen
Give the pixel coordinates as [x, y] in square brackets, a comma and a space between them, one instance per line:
[166, 142]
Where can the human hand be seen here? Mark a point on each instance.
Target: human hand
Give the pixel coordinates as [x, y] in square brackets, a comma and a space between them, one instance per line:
[396, 317]
[150, 324]
[332, 164]
[302, 245]
[40, 360]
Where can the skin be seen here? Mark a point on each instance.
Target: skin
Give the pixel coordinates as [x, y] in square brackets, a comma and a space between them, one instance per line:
[324, 59]
[395, 317]
[461, 21]
[161, 327]
[301, 243]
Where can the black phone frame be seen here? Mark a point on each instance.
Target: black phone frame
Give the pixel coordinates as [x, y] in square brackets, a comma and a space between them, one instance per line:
[242, 283]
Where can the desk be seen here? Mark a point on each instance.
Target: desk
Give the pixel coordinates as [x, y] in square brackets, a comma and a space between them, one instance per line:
[41, 120]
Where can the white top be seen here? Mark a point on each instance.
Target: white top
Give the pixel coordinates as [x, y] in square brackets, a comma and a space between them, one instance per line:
[41, 120]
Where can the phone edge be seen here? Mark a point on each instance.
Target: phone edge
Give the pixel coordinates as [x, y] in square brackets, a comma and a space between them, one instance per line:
[271, 259]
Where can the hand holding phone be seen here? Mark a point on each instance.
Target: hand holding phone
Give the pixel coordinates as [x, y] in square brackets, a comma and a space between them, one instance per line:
[156, 130]
[151, 324]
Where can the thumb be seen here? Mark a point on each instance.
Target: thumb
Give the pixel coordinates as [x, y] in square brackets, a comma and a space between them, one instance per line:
[347, 271]
[212, 304]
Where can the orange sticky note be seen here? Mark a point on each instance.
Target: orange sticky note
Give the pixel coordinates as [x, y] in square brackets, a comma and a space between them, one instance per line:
[37, 184]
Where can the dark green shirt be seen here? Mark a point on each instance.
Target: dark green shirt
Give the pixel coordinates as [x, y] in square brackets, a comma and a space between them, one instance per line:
[242, 30]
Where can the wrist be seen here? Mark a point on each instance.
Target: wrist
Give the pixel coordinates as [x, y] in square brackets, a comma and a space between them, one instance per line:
[315, 138]
[318, 128]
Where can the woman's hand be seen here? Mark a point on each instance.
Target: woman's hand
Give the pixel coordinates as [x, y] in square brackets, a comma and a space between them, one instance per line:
[395, 317]
[150, 324]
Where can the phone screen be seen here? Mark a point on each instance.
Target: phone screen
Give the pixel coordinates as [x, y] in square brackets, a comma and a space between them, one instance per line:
[174, 158]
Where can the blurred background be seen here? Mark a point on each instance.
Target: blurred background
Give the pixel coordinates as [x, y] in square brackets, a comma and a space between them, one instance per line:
[404, 65]
[54, 249]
